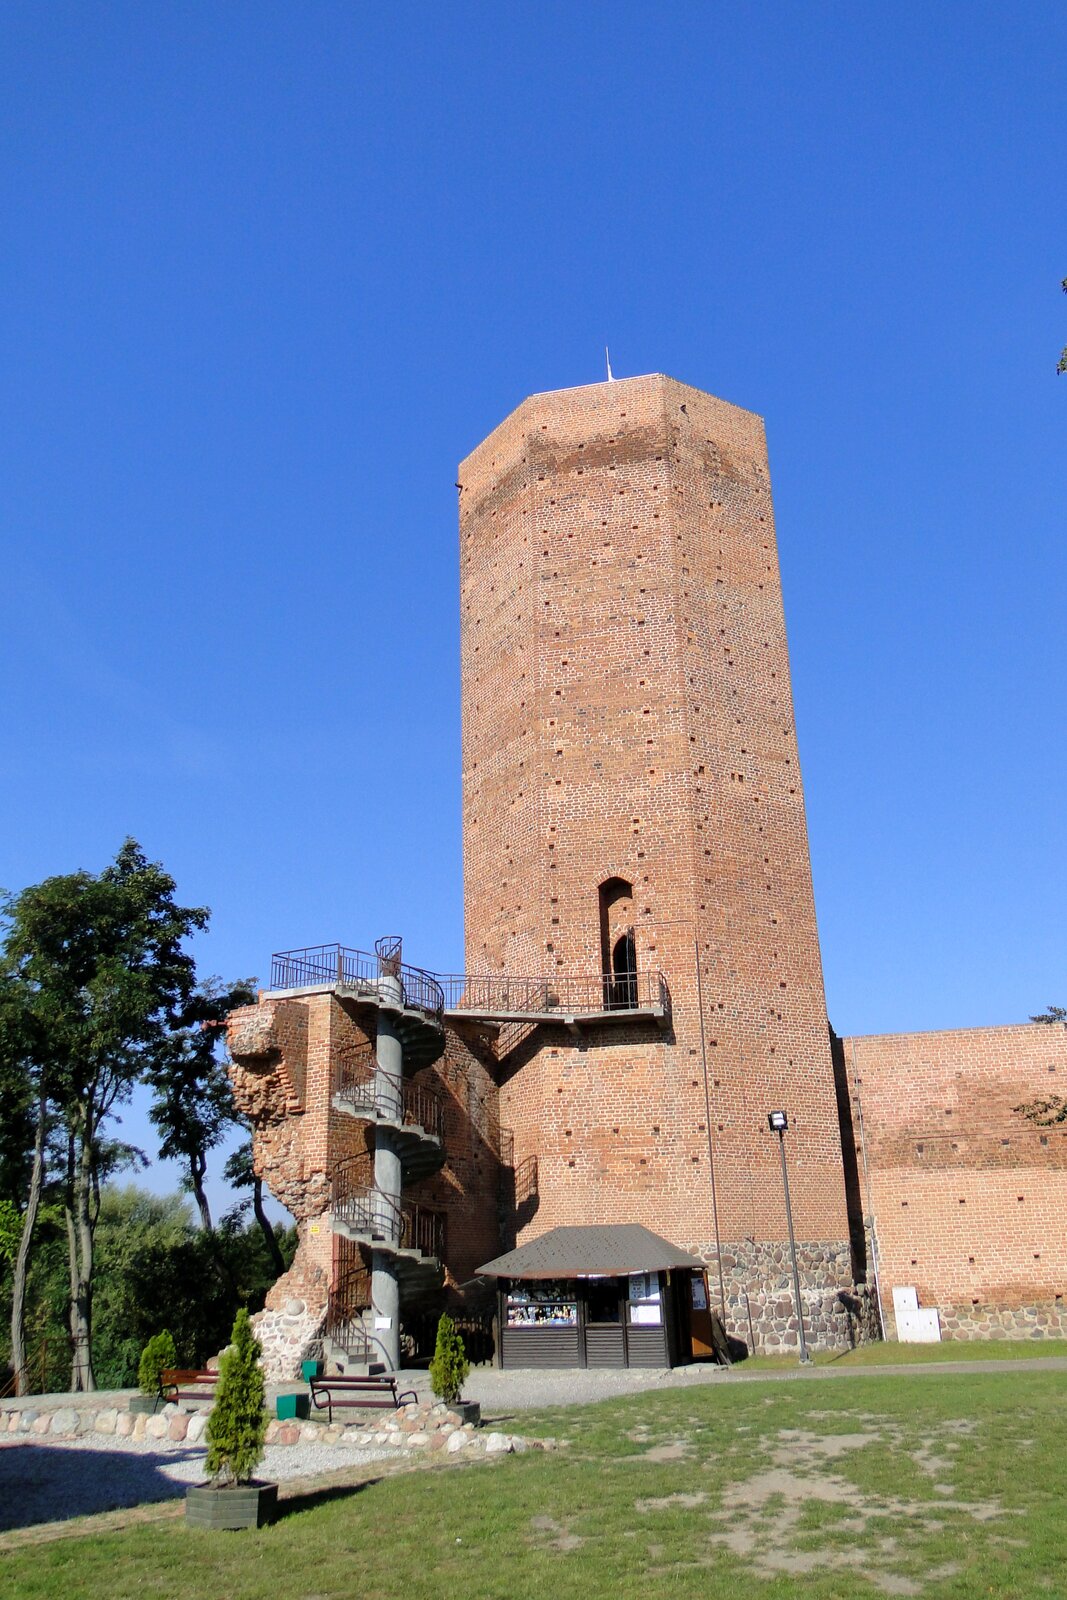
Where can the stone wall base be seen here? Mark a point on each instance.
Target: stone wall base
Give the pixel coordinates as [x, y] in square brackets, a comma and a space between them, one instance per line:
[1046, 1320]
[760, 1311]
[289, 1335]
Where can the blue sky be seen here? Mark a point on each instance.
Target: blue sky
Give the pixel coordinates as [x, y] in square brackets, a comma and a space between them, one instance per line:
[270, 271]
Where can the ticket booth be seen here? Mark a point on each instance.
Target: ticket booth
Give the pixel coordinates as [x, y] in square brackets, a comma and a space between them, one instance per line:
[616, 1296]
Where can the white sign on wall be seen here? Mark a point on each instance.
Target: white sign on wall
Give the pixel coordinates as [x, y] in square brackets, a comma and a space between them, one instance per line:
[915, 1325]
[919, 1327]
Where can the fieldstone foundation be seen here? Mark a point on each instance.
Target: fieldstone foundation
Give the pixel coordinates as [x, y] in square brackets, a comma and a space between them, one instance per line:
[969, 1321]
[760, 1310]
[289, 1335]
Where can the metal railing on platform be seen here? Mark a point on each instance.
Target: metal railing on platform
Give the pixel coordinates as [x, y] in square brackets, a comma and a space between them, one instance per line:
[501, 994]
[493, 995]
[348, 1300]
[354, 969]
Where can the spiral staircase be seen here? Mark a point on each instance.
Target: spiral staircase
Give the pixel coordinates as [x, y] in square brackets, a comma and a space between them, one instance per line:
[400, 1009]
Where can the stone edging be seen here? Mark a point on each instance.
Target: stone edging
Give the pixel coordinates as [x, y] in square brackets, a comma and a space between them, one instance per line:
[418, 1426]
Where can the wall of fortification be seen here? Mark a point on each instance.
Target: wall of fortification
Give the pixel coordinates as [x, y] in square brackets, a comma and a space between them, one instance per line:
[968, 1196]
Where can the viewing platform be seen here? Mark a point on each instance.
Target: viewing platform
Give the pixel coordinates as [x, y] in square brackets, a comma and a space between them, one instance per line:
[575, 1002]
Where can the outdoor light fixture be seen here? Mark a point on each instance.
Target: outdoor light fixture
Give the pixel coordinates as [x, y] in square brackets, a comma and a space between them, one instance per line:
[778, 1123]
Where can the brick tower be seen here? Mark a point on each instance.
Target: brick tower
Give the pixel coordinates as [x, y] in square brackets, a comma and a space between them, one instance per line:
[632, 804]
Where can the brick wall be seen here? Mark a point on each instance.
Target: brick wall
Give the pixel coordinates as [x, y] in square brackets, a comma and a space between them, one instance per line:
[627, 713]
[968, 1197]
[286, 1059]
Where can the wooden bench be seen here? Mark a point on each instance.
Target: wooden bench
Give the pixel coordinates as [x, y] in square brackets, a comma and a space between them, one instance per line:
[187, 1383]
[345, 1389]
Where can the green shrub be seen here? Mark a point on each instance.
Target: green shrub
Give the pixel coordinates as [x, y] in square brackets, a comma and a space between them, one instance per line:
[449, 1367]
[238, 1420]
[158, 1353]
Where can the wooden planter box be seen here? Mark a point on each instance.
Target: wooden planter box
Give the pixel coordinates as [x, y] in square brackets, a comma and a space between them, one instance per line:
[145, 1405]
[249, 1505]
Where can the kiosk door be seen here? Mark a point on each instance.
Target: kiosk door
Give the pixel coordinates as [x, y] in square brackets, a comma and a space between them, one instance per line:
[700, 1317]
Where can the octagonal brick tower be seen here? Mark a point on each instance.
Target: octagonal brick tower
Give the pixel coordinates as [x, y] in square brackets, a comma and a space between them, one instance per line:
[630, 763]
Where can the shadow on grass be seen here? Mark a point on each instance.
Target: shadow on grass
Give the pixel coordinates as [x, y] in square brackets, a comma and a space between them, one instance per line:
[46, 1483]
[294, 1504]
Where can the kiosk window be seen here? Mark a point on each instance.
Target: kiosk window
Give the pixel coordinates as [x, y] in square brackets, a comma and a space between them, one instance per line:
[643, 1304]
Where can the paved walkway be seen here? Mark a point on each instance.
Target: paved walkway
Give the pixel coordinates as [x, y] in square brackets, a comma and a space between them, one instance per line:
[526, 1389]
[517, 1389]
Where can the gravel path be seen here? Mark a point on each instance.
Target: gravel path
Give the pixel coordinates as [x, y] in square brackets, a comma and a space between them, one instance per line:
[56, 1479]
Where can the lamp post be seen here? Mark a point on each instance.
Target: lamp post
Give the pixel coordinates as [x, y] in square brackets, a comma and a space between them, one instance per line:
[779, 1122]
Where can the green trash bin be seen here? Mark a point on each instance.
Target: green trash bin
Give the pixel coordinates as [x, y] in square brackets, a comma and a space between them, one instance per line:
[292, 1405]
[311, 1369]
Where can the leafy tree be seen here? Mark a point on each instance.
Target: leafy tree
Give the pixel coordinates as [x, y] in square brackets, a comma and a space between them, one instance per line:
[25, 1132]
[240, 1173]
[193, 1105]
[102, 977]
[449, 1368]
[10, 1231]
[237, 1425]
[153, 1267]
[1053, 1015]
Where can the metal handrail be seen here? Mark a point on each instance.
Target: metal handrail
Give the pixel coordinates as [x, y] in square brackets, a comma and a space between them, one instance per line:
[420, 1106]
[402, 1225]
[424, 1231]
[370, 1211]
[499, 992]
[344, 1311]
[354, 969]
[495, 993]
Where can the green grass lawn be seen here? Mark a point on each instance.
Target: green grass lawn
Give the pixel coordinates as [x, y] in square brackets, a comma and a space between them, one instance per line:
[903, 1355]
[947, 1486]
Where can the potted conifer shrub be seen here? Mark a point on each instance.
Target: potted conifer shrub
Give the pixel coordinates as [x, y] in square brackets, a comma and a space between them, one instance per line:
[450, 1369]
[158, 1354]
[235, 1435]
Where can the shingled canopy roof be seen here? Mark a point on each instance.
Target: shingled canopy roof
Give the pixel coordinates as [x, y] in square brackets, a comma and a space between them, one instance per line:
[590, 1252]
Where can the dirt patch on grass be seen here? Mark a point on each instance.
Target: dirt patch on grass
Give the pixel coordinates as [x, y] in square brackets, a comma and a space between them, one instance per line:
[797, 1516]
[678, 1451]
[664, 1502]
[549, 1534]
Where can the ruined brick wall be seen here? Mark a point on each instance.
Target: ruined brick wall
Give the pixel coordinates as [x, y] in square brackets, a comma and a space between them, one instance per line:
[280, 1071]
[286, 1060]
[627, 713]
[968, 1197]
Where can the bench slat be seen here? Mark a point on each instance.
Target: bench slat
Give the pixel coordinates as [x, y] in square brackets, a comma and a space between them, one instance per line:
[174, 1381]
[330, 1392]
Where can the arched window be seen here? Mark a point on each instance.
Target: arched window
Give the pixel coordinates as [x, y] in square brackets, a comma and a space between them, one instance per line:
[618, 959]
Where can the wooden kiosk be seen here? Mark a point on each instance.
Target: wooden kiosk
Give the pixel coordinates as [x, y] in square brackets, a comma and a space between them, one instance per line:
[601, 1297]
